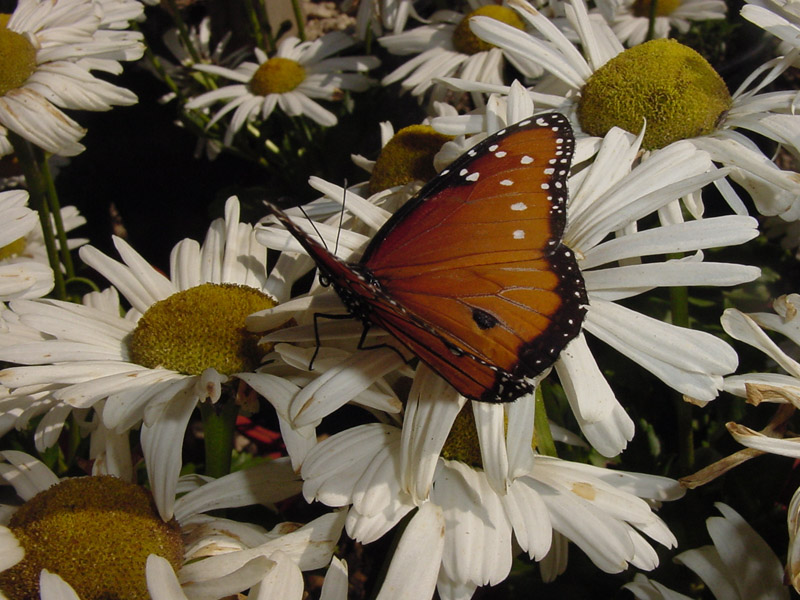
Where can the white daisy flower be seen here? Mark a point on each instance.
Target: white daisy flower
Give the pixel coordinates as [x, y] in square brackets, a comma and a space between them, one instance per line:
[198, 555]
[20, 276]
[630, 19]
[182, 340]
[739, 565]
[299, 73]
[446, 47]
[609, 202]
[44, 46]
[585, 72]
[477, 488]
[179, 75]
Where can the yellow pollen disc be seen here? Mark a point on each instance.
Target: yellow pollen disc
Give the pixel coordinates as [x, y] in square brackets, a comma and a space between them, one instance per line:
[467, 42]
[15, 248]
[96, 534]
[277, 76]
[664, 8]
[407, 157]
[17, 60]
[462, 442]
[662, 82]
[201, 328]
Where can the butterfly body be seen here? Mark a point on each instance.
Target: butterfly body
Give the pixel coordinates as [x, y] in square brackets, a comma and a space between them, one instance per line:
[471, 274]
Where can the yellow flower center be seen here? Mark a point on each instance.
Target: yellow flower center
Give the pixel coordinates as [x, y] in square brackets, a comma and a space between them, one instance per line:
[462, 441]
[664, 8]
[277, 76]
[200, 328]
[96, 534]
[15, 248]
[467, 42]
[407, 157]
[17, 59]
[668, 84]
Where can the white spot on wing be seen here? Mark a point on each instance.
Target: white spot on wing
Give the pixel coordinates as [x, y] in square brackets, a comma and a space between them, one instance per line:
[519, 206]
[506, 182]
[526, 160]
[473, 176]
[519, 234]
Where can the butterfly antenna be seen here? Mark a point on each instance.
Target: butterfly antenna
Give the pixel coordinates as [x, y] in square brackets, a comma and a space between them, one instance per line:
[321, 239]
[341, 217]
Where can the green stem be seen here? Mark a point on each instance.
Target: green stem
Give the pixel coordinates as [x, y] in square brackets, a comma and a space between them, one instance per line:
[73, 441]
[29, 157]
[299, 19]
[679, 302]
[84, 281]
[542, 435]
[256, 25]
[219, 422]
[651, 25]
[55, 210]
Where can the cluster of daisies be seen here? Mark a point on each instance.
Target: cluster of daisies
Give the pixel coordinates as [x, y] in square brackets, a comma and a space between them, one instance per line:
[670, 179]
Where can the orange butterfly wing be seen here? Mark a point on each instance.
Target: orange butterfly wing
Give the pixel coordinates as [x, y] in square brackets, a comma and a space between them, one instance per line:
[477, 265]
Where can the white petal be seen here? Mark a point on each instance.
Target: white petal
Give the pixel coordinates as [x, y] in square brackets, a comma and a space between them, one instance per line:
[161, 444]
[689, 361]
[337, 386]
[226, 582]
[490, 425]
[683, 237]
[432, 407]
[605, 541]
[284, 580]
[747, 556]
[11, 550]
[530, 519]
[265, 483]
[26, 474]
[52, 587]
[706, 562]
[743, 328]
[162, 583]
[477, 545]
[335, 586]
[587, 390]
[335, 465]
[415, 563]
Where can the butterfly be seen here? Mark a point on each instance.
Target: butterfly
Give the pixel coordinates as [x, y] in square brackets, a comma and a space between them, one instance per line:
[471, 274]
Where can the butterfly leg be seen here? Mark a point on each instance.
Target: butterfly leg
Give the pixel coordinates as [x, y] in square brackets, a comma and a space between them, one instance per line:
[329, 316]
[362, 346]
